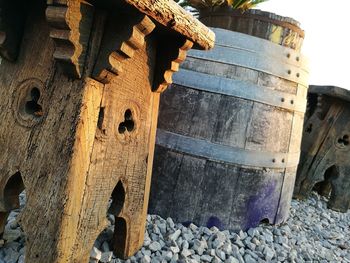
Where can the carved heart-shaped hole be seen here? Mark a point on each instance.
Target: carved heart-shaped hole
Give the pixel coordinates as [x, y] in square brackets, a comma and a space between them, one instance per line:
[32, 107]
[128, 123]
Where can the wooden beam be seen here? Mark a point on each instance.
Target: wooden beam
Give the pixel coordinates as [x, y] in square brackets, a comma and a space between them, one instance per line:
[170, 14]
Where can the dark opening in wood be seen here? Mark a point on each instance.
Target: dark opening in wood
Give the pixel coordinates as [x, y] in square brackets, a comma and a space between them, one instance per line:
[265, 221]
[13, 188]
[31, 106]
[14, 200]
[101, 116]
[309, 128]
[324, 187]
[113, 237]
[128, 123]
[311, 104]
[117, 199]
[119, 238]
[344, 141]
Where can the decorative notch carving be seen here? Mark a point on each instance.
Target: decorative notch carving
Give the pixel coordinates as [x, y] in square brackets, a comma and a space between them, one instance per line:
[71, 23]
[170, 56]
[126, 49]
[12, 20]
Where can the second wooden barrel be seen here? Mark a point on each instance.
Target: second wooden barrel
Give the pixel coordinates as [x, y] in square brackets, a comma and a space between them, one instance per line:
[229, 133]
[281, 30]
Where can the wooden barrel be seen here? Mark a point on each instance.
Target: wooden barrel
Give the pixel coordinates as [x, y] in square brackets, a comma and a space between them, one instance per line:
[281, 30]
[229, 133]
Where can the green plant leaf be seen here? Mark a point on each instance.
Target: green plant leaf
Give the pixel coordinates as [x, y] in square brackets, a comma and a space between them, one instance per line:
[236, 4]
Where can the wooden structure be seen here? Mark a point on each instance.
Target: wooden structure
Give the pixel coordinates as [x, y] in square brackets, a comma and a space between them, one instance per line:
[80, 86]
[280, 30]
[325, 147]
[229, 156]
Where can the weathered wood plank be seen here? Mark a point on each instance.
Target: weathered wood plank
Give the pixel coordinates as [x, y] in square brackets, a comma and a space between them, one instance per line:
[80, 165]
[122, 95]
[262, 133]
[184, 205]
[258, 195]
[219, 183]
[162, 187]
[170, 14]
[232, 121]
[203, 126]
[286, 194]
[181, 116]
[44, 141]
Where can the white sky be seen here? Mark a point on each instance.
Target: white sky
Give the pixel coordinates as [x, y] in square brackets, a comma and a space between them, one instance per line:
[327, 36]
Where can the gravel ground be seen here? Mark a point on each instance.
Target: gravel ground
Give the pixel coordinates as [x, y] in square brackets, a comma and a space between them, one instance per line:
[312, 234]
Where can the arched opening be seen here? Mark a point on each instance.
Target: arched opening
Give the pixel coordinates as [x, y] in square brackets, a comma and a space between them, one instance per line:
[14, 199]
[324, 187]
[265, 221]
[14, 187]
[119, 237]
[117, 200]
[113, 237]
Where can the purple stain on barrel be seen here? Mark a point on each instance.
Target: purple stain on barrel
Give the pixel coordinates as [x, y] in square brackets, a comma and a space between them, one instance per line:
[214, 221]
[262, 206]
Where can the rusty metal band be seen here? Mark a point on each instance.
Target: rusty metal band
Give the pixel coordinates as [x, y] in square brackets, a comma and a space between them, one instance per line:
[226, 38]
[255, 61]
[284, 24]
[225, 154]
[239, 89]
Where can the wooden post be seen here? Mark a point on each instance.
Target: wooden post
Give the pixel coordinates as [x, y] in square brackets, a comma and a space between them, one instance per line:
[79, 112]
[325, 147]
